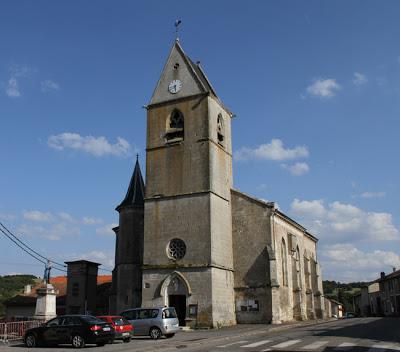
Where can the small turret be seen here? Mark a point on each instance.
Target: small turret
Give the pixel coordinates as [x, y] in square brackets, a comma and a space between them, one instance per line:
[135, 194]
[127, 275]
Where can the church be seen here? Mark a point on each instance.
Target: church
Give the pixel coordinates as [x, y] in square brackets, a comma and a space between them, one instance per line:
[186, 238]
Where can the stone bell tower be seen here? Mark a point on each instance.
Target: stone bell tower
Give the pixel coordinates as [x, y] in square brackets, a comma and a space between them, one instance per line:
[188, 261]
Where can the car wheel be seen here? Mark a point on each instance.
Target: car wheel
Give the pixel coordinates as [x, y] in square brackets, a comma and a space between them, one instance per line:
[78, 341]
[168, 336]
[127, 340]
[30, 341]
[155, 333]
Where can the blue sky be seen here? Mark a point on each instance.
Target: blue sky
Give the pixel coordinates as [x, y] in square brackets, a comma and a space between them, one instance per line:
[315, 86]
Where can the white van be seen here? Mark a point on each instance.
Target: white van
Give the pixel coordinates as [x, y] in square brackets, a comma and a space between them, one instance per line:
[154, 322]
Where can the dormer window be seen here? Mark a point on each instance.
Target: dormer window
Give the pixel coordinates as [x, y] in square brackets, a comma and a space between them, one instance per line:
[220, 129]
[175, 127]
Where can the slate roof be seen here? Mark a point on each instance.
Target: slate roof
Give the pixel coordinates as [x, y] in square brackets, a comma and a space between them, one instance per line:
[135, 194]
[200, 76]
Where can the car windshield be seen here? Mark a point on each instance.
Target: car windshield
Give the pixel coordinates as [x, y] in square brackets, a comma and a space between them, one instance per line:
[169, 313]
[120, 321]
[53, 322]
[91, 319]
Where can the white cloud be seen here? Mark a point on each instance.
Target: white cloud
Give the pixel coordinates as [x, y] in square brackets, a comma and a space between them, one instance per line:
[49, 85]
[306, 208]
[106, 259]
[21, 71]
[12, 89]
[344, 262]
[345, 222]
[359, 79]
[53, 232]
[373, 194]
[36, 215]
[272, 151]
[97, 146]
[106, 230]
[17, 72]
[53, 226]
[7, 217]
[92, 221]
[66, 217]
[297, 169]
[324, 88]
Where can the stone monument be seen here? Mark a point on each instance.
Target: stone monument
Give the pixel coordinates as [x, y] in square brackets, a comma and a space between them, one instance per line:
[46, 297]
[45, 302]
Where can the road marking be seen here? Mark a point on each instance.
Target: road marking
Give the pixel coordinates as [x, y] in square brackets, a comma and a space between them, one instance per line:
[315, 345]
[256, 344]
[232, 343]
[379, 348]
[345, 346]
[286, 344]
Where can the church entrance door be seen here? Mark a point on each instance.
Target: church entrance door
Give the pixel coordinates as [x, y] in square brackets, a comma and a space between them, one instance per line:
[179, 303]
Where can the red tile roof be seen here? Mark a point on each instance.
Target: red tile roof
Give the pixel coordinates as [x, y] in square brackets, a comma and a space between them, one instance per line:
[60, 285]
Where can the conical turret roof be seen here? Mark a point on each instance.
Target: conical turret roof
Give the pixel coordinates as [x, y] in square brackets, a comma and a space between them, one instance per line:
[135, 194]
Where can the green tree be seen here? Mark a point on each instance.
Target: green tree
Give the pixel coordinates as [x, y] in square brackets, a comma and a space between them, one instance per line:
[10, 285]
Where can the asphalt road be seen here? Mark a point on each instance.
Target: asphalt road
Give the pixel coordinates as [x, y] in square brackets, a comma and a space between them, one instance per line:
[358, 334]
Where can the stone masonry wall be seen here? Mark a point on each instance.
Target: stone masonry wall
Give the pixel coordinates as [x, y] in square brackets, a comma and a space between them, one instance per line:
[251, 236]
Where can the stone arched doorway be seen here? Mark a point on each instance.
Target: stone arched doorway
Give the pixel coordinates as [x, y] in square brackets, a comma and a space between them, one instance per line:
[175, 289]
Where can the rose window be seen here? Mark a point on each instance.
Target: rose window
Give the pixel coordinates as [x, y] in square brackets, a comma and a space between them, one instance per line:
[176, 249]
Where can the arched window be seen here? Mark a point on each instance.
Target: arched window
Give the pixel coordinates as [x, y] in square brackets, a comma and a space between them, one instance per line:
[175, 126]
[306, 267]
[220, 129]
[284, 263]
[298, 267]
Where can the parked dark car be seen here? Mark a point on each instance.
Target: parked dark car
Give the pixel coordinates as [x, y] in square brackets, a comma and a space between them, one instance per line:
[349, 315]
[122, 327]
[77, 330]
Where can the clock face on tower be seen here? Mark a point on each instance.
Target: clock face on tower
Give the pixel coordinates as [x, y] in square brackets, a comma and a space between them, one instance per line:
[175, 86]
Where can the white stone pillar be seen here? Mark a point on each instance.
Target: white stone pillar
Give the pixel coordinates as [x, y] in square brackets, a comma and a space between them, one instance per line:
[45, 302]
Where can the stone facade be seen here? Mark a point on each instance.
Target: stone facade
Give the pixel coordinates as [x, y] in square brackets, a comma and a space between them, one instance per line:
[275, 266]
[220, 257]
[380, 297]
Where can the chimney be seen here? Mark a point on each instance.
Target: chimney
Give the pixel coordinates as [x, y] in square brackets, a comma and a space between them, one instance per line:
[27, 289]
[394, 269]
[382, 274]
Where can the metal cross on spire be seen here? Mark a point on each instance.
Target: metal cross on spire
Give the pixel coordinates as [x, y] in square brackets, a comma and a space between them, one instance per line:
[177, 24]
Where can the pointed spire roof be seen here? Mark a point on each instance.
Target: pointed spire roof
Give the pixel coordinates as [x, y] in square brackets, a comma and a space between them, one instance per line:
[180, 67]
[135, 194]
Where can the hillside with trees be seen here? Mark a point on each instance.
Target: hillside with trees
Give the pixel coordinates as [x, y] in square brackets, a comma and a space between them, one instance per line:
[10, 285]
[343, 293]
